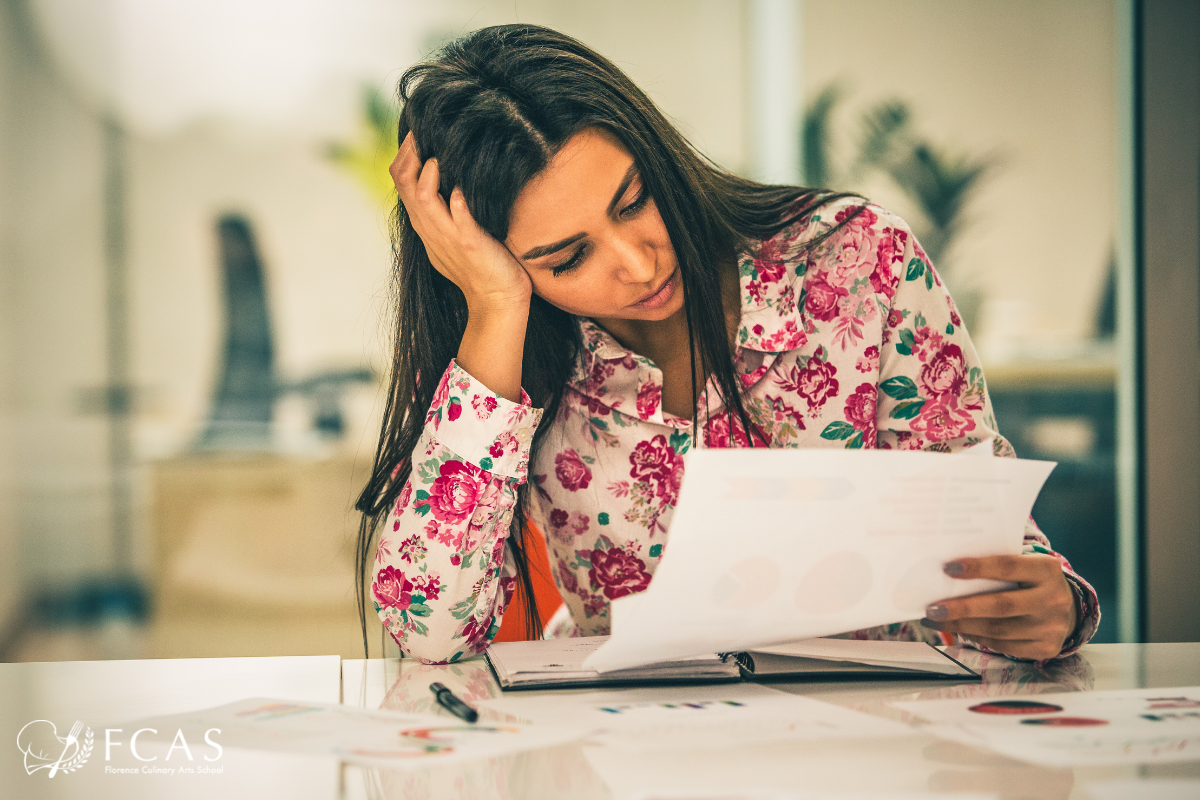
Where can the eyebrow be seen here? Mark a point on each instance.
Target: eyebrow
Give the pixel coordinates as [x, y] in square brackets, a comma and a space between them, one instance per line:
[547, 249]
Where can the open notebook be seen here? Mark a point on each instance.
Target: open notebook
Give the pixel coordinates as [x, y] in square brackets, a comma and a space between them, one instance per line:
[558, 663]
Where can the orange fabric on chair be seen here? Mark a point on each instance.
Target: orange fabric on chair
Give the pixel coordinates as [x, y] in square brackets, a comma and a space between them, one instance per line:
[512, 627]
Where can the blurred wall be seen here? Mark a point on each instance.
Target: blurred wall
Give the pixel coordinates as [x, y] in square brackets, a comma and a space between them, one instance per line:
[10, 575]
[52, 302]
[1031, 80]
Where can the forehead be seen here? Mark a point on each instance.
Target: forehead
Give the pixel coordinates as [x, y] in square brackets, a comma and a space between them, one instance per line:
[566, 197]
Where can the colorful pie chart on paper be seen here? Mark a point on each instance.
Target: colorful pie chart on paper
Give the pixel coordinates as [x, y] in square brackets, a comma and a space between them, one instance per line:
[1015, 707]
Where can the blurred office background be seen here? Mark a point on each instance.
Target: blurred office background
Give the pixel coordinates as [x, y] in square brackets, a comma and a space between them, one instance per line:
[194, 271]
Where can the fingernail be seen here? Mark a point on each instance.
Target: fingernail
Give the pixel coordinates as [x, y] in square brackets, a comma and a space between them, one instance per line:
[937, 612]
[953, 568]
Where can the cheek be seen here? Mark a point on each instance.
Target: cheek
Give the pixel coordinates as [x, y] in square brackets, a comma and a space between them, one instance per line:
[579, 295]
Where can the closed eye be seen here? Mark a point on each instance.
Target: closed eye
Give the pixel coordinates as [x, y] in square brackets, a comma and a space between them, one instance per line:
[570, 264]
[637, 205]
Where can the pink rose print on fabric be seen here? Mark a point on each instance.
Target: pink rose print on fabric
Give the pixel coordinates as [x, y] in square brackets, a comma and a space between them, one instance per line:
[454, 411]
[391, 589]
[822, 299]
[651, 460]
[474, 632]
[441, 396]
[895, 318]
[558, 518]
[483, 406]
[570, 583]
[755, 290]
[789, 337]
[648, 399]
[869, 360]
[618, 573]
[402, 500]
[945, 372]
[668, 486]
[782, 412]
[455, 493]
[770, 271]
[865, 219]
[428, 585]
[717, 433]
[955, 319]
[886, 276]
[860, 407]
[571, 472]
[943, 419]
[815, 383]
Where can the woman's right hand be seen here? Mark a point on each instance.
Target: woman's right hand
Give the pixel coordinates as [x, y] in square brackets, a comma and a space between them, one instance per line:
[490, 278]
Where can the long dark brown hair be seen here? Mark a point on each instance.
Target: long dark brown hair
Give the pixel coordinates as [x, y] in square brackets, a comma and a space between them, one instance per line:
[494, 107]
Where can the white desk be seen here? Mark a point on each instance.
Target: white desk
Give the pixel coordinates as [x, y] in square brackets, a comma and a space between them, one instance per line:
[98, 692]
[107, 693]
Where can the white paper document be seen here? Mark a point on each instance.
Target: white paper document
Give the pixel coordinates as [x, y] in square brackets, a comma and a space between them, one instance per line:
[768, 546]
[388, 739]
[1133, 726]
[693, 716]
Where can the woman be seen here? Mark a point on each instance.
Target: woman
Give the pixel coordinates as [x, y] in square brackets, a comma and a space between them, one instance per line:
[582, 297]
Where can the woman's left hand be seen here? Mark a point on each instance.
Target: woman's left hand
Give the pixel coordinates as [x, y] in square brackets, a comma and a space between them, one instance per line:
[1031, 621]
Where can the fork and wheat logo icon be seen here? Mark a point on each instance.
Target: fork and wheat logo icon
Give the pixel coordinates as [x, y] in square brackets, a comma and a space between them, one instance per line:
[45, 749]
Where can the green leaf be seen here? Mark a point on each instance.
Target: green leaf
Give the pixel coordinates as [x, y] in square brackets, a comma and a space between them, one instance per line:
[602, 518]
[916, 268]
[656, 551]
[422, 494]
[929, 279]
[903, 349]
[420, 609]
[485, 463]
[908, 337]
[856, 443]
[835, 431]
[680, 442]
[949, 328]
[422, 509]
[900, 387]
[908, 410]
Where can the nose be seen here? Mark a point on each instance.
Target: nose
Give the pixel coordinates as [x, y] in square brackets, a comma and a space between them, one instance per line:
[636, 262]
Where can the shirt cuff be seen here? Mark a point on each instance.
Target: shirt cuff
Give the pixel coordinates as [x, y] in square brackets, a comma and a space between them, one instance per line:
[490, 431]
[1089, 614]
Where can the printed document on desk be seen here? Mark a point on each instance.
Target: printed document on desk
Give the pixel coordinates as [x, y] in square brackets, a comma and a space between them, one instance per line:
[693, 717]
[388, 739]
[1127, 726]
[769, 546]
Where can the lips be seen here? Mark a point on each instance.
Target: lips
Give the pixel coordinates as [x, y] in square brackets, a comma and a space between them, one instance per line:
[659, 296]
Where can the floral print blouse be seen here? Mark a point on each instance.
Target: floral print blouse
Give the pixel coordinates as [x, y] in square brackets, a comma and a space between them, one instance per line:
[855, 344]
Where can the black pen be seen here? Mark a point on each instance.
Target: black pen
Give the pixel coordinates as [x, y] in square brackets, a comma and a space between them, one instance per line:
[448, 701]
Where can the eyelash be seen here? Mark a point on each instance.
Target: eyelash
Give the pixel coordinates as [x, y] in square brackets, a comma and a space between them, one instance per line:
[569, 265]
[629, 210]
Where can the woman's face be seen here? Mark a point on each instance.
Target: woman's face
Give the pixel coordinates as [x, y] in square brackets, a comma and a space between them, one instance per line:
[591, 238]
